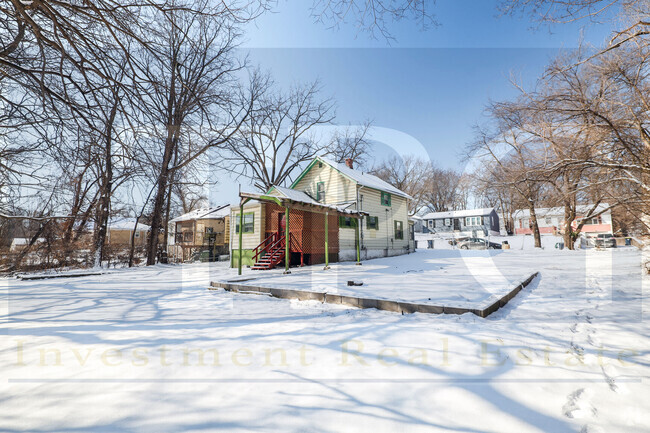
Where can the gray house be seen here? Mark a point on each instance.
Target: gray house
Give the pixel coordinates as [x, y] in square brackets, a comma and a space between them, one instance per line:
[468, 222]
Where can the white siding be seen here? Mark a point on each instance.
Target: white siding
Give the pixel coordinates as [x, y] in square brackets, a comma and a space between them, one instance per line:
[249, 240]
[384, 237]
[338, 188]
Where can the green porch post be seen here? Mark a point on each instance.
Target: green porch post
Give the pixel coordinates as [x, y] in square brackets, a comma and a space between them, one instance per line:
[327, 248]
[357, 240]
[287, 242]
[241, 232]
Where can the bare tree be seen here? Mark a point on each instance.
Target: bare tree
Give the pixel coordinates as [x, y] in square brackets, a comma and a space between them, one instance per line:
[408, 174]
[373, 17]
[279, 136]
[351, 143]
[511, 156]
[632, 14]
[440, 192]
[188, 75]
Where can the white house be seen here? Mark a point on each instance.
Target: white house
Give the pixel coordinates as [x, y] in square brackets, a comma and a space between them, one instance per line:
[365, 217]
[18, 244]
[551, 220]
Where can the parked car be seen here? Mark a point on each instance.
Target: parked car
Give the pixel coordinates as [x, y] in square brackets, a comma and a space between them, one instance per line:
[478, 244]
[605, 240]
[456, 241]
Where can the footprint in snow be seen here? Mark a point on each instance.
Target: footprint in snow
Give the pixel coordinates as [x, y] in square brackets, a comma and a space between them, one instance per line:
[591, 429]
[593, 340]
[577, 349]
[578, 406]
[610, 373]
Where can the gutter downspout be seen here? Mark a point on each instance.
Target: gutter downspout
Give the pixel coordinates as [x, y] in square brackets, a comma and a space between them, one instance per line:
[359, 208]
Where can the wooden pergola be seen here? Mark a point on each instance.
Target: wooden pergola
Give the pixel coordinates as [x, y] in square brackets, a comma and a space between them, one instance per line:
[289, 203]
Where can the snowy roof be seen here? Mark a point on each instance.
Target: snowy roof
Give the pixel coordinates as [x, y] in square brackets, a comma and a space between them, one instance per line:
[295, 195]
[24, 241]
[581, 209]
[204, 214]
[126, 224]
[365, 179]
[300, 197]
[458, 213]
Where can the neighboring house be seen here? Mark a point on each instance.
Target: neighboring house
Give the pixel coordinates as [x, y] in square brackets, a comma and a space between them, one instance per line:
[365, 218]
[418, 223]
[468, 222]
[203, 229]
[119, 232]
[551, 220]
[18, 244]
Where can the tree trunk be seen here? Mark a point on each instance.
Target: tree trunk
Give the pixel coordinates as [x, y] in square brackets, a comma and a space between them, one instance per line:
[168, 208]
[132, 240]
[159, 200]
[166, 219]
[569, 216]
[106, 190]
[534, 225]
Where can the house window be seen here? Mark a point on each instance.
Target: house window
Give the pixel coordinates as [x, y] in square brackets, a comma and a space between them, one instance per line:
[372, 223]
[249, 223]
[320, 192]
[385, 199]
[447, 222]
[347, 222]
[399, 230]
[595, 220]
[547, 221]
[468, 221]
[430, 224]
[188, 236]
[137, 234]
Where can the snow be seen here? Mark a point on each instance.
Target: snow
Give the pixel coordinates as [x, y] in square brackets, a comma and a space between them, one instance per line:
[581, 209]
[424, 277]
[204, 213]
[365, 179]
[296, 195]
[126, 224]
[458, 213]
[303, 197]
[567, 354]
[20, 242]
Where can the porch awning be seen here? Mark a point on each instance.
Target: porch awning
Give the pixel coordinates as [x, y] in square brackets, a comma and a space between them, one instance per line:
[307, 205]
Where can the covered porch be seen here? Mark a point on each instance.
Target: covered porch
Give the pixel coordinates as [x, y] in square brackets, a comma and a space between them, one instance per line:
[294, 231]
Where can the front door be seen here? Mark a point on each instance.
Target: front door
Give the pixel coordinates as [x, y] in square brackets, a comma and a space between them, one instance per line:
[282, 224]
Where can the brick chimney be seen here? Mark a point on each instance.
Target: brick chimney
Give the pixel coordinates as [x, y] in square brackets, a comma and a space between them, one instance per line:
[349, 162]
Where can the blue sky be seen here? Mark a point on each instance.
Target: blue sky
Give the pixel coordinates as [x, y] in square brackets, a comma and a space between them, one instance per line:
[432, 85]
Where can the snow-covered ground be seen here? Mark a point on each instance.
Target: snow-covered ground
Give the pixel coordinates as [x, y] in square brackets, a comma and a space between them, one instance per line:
[122, 352]
[453, 278]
